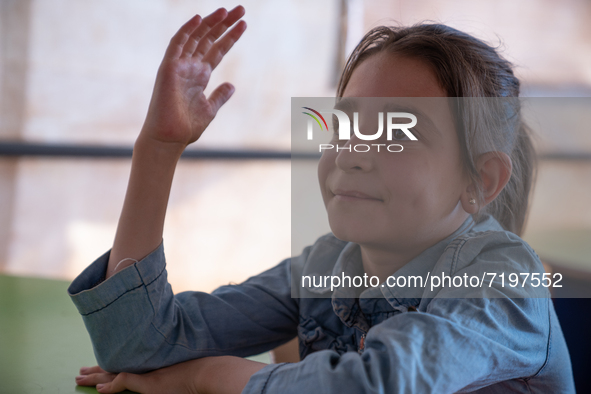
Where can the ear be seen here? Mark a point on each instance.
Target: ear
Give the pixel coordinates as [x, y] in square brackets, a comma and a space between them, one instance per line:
[495, 170]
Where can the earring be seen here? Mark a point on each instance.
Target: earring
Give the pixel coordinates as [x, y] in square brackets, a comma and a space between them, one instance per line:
[472, 201]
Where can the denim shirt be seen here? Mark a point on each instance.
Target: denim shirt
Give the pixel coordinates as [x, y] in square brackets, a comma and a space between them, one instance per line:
[384, 339]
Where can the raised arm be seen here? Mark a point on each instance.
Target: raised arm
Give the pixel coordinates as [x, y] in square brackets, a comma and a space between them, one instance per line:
[179, 112]
[135, 322]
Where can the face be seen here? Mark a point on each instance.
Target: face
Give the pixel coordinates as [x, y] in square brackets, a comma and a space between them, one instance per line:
[405, 201]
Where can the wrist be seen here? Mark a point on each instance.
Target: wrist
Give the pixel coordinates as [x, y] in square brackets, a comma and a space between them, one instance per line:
[160, 149]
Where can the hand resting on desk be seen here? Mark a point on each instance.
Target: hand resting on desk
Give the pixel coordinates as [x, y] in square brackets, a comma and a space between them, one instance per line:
[224, 374]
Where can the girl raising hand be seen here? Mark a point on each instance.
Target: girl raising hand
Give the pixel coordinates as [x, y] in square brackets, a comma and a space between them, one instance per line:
[451, 206]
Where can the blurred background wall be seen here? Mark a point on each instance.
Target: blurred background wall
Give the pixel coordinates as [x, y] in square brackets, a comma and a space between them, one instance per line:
[82, 73]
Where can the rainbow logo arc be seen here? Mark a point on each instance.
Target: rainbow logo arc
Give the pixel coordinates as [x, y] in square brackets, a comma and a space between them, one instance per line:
[316, 119]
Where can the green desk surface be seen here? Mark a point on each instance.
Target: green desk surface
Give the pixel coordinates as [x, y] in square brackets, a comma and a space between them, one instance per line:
[43, 342]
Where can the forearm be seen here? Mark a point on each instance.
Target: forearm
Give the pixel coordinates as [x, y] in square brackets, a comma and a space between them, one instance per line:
[225, 374]
[209, 375]
[142, 218]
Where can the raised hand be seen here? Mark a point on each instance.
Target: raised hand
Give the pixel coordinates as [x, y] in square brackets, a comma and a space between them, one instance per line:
[179, 111]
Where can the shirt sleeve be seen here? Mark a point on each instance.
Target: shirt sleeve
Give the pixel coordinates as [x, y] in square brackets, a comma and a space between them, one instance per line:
[136, 323]
[452, 344]
[412, 352]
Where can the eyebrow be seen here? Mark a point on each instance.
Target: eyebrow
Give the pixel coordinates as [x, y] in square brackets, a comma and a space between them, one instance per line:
[345, 104]
[348, 104]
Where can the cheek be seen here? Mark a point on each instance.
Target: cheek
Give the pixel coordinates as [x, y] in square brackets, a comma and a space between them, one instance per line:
[436, 181]
[402, 174]
[413, 179]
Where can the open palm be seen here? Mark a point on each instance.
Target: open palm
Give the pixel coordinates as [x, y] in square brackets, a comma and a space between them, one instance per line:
[179, 111]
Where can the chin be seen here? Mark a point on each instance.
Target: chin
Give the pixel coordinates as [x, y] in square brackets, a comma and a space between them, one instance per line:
[352, 233]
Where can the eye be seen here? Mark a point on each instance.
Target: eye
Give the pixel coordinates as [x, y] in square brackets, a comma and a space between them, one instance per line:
[400, 135]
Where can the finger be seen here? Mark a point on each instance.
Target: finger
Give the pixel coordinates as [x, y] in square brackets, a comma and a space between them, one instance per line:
[89, 370]
[207, 24]
[94, 379]
[220, 95]
[177, 42]
[127, 381]
[216, 32]
[220, 48]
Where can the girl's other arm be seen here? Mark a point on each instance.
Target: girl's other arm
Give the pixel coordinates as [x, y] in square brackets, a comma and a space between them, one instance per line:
[178, 114]
[220, 375]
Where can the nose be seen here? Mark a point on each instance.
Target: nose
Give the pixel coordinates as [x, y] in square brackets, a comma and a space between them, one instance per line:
[355, 155]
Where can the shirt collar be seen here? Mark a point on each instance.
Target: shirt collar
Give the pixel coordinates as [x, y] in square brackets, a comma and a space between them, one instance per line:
[349, 264]
[421, 265]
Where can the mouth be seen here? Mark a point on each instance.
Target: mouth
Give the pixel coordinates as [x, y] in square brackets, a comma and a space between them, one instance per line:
[353, 195]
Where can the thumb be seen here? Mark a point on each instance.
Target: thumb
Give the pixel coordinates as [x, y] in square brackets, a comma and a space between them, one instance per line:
[220, 95]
